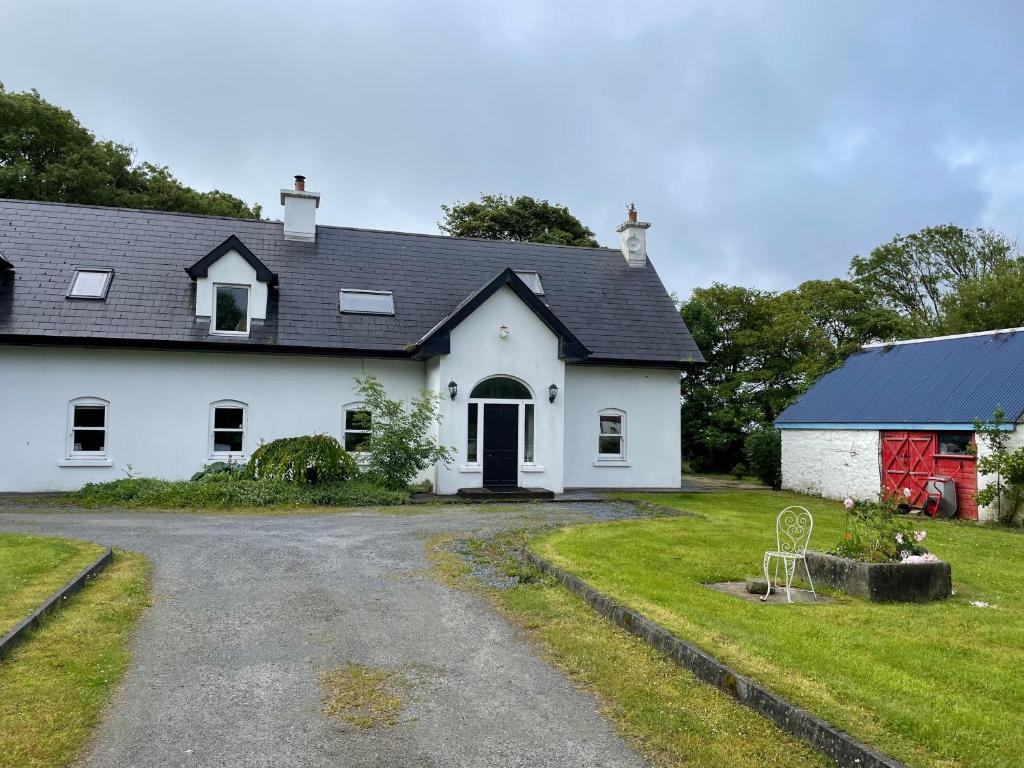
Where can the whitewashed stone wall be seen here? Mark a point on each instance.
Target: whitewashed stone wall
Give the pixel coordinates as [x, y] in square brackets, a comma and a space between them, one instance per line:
[1016, 441]
[834, 463]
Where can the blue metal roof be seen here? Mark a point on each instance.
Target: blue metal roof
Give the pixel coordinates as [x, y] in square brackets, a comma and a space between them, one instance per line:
[945, 381]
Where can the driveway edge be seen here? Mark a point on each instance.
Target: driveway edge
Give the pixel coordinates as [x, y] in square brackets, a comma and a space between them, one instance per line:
[825, 738]
[16, 635]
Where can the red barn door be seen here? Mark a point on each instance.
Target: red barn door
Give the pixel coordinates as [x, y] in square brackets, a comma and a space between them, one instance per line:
[909, 458]
[907, 461]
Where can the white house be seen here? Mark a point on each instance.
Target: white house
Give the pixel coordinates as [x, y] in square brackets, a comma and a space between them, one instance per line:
[896, 414]
[165, 341]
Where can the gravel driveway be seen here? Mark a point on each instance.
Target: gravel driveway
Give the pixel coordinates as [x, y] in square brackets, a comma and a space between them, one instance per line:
[248, 611]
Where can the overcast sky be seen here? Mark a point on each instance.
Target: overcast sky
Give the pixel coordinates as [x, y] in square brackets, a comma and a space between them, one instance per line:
[767, 142]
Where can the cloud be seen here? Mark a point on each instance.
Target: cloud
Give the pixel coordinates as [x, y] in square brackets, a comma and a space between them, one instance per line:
[767, 142]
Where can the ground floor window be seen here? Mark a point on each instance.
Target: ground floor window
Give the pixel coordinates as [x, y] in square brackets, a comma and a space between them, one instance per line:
[611, 440]
[528, 433]
[227, 433]
[87, 432]
[357, 428]
[472, 431]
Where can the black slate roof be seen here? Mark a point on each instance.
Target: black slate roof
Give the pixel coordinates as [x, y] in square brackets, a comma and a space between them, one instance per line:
[620, 313]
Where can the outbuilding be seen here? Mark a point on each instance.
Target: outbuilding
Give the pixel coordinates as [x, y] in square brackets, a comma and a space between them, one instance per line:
[895, 414]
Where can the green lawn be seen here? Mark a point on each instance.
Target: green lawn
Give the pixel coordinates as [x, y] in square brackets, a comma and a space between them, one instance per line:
[54, 684]
[932, 685]
[34, 567]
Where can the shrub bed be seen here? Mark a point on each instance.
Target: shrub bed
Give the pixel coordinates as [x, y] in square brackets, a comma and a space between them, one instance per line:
[216, 493]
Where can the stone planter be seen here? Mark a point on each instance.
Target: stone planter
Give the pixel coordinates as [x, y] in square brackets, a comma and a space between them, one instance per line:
[882, 582]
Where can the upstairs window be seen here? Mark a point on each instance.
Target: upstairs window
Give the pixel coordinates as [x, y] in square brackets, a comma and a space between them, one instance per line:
[231, 309]
[357, 428]
[611, 439]
[367, 302]
[90, 283]
[87, 432]
[532, 280]
[227, 429]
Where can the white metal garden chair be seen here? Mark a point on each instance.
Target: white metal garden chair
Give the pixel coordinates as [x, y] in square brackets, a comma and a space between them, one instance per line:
[792, 534]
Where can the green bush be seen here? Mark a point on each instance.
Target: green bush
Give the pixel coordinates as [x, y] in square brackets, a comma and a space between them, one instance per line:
[401, 444]
[739, 471]
[878, 532]
[306, 459]
[221, 491]
[218, 469]
[763, 450]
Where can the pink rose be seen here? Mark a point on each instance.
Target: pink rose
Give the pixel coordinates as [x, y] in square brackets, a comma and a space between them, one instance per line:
[907, 492]
[919, 536]
[848, 503]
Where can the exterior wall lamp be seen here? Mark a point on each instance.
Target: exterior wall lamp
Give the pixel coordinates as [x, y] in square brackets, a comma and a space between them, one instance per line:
[503, 330]
[453, 389]
[552, 393]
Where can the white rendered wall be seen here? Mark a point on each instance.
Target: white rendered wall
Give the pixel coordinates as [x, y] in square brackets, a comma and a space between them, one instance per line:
[160, 405]
[1016, 441]
[834, 463]
[530, 354]
[650, 399]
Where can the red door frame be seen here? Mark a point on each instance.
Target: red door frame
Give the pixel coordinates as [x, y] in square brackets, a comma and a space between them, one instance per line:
[909, 458]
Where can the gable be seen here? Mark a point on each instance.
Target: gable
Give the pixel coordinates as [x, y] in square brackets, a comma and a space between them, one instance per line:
[231, 245]
[438, 340]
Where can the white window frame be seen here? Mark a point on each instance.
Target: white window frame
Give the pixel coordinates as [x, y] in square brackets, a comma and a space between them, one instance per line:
[100, 458]
[215, 455]
[248, 310]
[360, 292]
[352, 408]
[612, 458]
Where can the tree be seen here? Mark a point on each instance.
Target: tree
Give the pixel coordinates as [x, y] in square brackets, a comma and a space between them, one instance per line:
[520, 219]
[46, 154]
[401, 444]
[915, 274]
[990, 301]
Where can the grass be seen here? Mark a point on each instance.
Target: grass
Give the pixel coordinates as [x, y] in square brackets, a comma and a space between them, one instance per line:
[937, 684]
[54, 685]
[34, 567]
[663, 711]
[366, 697]
[223, 492]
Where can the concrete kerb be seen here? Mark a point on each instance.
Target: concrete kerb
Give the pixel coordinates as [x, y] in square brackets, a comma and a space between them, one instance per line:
[16, 635]
[825, 738]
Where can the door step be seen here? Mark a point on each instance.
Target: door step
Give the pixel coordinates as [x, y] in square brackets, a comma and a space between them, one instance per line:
[506, 493]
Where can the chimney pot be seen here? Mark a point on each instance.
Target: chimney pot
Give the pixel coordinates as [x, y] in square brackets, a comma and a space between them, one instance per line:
[631, 213]
[300, 183]
[633, 238]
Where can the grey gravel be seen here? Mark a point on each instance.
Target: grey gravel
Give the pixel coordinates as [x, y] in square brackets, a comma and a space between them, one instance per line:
[248, 611]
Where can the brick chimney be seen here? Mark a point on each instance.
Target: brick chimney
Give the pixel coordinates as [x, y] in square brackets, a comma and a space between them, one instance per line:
[300, 212]
[633, 239]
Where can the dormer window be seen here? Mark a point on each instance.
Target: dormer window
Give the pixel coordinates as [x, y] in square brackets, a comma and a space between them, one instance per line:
[90, 284]
[532, 280]
[367, 302]
[231, 309]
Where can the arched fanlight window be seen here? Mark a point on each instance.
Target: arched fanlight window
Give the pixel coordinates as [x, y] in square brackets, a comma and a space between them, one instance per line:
[501, 388]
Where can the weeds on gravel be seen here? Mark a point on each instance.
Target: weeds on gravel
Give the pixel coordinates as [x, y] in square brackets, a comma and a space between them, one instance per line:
[366, 697]
[54, 685]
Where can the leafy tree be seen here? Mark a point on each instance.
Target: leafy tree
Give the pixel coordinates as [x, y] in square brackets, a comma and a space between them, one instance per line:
[989, 301]
[915, 274]
[520, 219]
[1007, 465]
[400, 444]
[46, 154]
[763, 449]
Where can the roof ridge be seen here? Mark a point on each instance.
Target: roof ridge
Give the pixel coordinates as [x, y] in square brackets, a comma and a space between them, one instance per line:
[877, 344]
[319, 226]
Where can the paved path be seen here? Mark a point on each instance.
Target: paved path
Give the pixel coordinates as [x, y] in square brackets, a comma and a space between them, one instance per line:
[248, 611]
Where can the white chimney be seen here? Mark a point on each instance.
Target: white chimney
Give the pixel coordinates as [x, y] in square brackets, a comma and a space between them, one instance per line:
[300, 212]
[633, 239]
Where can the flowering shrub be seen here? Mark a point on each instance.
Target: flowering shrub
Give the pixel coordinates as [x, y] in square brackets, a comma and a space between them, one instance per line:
[877, 533]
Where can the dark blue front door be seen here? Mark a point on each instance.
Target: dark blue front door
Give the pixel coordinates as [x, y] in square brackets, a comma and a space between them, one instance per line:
[501, 444]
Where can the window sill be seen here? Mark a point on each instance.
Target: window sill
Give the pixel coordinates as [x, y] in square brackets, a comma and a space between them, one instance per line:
[531, 468]
[226, 458]
[86, 463]
[471, 468]
[612, 463]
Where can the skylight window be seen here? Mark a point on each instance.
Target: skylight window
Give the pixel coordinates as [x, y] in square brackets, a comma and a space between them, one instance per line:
[90, 283]
[367, 302]
[532, 280]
